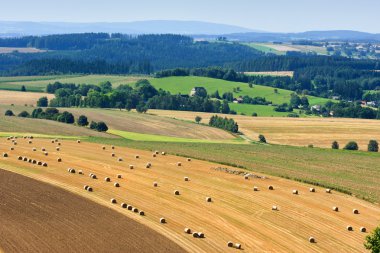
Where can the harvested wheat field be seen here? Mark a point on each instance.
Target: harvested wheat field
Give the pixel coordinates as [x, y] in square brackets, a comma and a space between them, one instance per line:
[38, 217]
[320, 132]
[21, 98]
[215, 207]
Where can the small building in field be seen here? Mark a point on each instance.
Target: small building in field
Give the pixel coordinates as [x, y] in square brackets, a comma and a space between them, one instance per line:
[238, 100]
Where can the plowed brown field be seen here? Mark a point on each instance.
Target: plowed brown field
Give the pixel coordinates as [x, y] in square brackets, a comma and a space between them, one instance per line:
[236, 213]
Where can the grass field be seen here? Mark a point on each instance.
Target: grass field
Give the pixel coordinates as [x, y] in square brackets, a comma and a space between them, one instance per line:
[39, 83]
[184, 85]
[236, 212]
[261, 110]
[320, 132]
[281, 49]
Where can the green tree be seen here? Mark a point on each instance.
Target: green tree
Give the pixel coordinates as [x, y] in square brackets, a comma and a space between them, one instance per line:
[101, 127]
[82, 120]
[198, 119]
[335, 145]
[93, 125]
[43, 102]
[23, 89]
[23, 114]
[105, 87]
[373, 146]
[9, 113]
[373, 241]
[225, 107]
[141, 108]
[66, 117]
[351, 146]
[262, 138]
[254, 114]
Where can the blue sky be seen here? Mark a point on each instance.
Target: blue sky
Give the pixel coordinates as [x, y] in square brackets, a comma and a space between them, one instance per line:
[268, 15]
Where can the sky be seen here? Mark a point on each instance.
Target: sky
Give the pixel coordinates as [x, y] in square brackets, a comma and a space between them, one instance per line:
[266, 15]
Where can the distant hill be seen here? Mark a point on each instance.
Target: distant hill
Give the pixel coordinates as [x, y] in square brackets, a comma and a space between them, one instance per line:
[8, 28]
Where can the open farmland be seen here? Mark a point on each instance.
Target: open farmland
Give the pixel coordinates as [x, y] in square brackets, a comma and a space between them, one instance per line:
[271, 73]
[21, 98]
[39, 83]
[281, 49]
[34, 218]
[236, 212]
[320, 132]
[8, 50]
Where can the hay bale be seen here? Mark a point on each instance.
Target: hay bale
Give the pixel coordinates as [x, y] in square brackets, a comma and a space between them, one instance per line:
[46, 153]
[43, 149]
[208, 199]
[335, 208]
[142, 213]
[349, 228]
[29, 142]
[59, 159]
[355, 211]
[44, 164]
[238, 245]
[52, 141]
[155, 184]
[363, 229]
[148, 165]
[295, 192]
[85, 187]
[187, 230]
[312, 189]
[19, 158]
[78, 141]
[34, 149]
[113, 201]
[189, 159]
[72, 171]
[107, 179]
[163, 153]
[328, 190]
[57, 148]
[39, 163]
[153, 155]
[113, 147]
[25, 159]
[59, 144]
[34, 161]
[123, 205]
[274, 208]
[255, 188]
[30, 160]
[89, 189]
[80, 172]
[246, 177]
[195, 235]
[201, 235]
[186, 179]
[119, 176]
[104, 148]
[116, 184]
[12, 148]
[162, 220]
[129, 207]
[120, 159]
[311, 239]
[176, 192]
[5, 154]
[135, 210]
[156, 152]
[230, 244]
[56, 140]
[179, 164]
[131, 167]
[270, 187]
[93, 176]
[15, 143]
[113, 154]
[137, 156]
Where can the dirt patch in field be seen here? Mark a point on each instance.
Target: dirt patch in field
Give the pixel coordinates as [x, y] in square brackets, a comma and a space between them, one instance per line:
[37, 217]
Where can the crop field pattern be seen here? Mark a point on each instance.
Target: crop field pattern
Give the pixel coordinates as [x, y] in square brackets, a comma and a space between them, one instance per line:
[236, 213]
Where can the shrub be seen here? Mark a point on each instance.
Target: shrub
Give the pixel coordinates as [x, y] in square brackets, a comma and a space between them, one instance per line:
[82, 120]
[101, 127]
[93, 125]
[198, 119]
[23, 88]
[43, 102]
[262, 138]
[351, 146]
[66, 117]
[335, 145]
[23, 114]
[373, 241]
[254, 114]
[233, 112]
[9, 113]
[310, 146]
[373, 146]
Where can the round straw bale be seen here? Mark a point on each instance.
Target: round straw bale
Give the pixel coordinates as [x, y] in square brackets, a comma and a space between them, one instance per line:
[113, 201]
[238, 245]
[163, 153]
[270, 187]
[119, 176]
[68, 169]
[15, 143]
[335, 208]
[312, 189]
[78, 141]
[93, 176]
[59, 159]
[72, 171]
[39, 163]
[30, 160]
[129, 207]
[155, 184]
[43, 149]
[186, 178]
[176, 192]
[179, 164]
[156, 152]
[131, 166]
[45, 164]
[57, 148]
[135, 210]
[25, 158]
[34, 161]
[295, 192]
[355, 211]
[56, 140]
[328, 190]
[52, 141]
[195, 235]
[116, 184]
[30, 142]
[349, 228]
[107, 179]
[120, 159]
[19, 158]
[142, 213]
[46, 153]
[201, 235]
[137, 156]
[246, 177]
[34, 149]
[162, 220]
[187, 230]
[311, 239]
[230, 244]
[255, 188]
[363, 229]
[104, 148]
[123, 205]
[80, 172]
[113, 154]
[154, 155]
[208, 199]
[89, 189]
[85, 187]
[113, 147]
[189, 159]
[59, 144]
[274, 208]
[12, 148]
